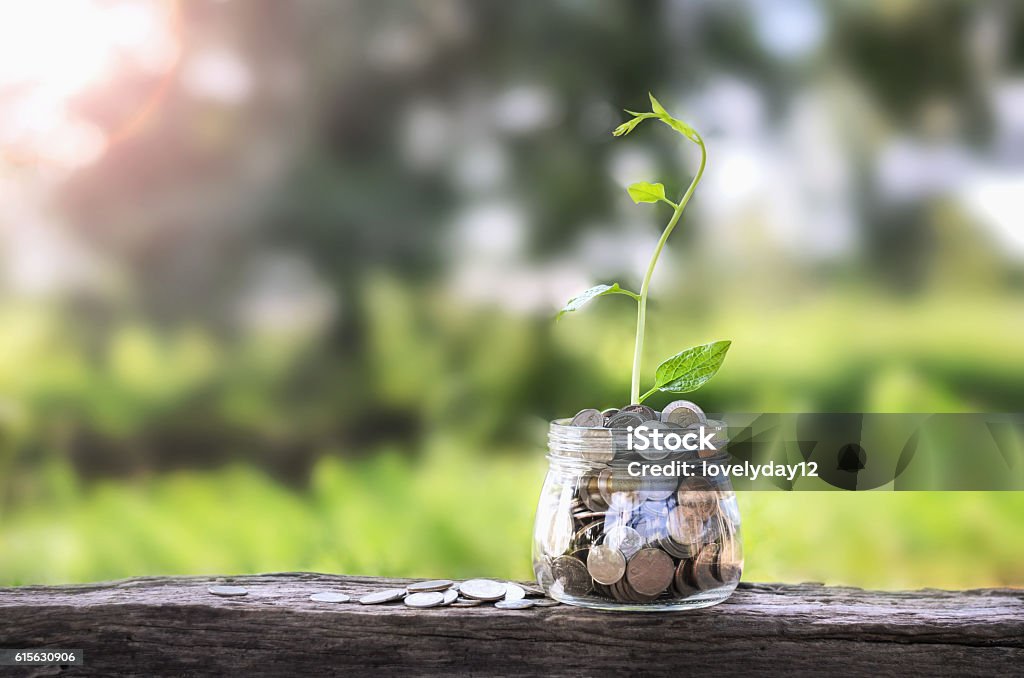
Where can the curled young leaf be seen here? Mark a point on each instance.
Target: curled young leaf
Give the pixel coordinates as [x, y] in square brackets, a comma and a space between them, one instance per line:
[582, 299]
[628, 126]
[689, 369]
[643, 191]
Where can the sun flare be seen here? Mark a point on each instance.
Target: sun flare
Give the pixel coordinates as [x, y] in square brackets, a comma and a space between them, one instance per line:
[52, 51]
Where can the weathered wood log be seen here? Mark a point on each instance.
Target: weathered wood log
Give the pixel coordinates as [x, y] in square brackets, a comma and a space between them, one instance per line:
[173, 626]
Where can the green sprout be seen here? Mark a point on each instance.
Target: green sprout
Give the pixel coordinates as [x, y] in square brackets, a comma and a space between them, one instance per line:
[691, 368]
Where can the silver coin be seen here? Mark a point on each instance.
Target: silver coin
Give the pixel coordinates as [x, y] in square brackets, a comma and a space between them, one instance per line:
[532, 591]
[514, 592]
[624, 420]
[425, 599]
[625, 539]
[654, 451]
[606, 564]
[522, 604]
[386, 596]
[228, 591]
[658, 489]
[571, 576]
[588, 417]
[450, 596]
[432, 585]
[483, 589]
[466, 602]
[545, 602]
[683, 413]
[327, 597]
[643, 410]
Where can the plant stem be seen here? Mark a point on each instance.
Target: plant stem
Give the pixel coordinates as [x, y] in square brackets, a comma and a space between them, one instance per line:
[641, 314]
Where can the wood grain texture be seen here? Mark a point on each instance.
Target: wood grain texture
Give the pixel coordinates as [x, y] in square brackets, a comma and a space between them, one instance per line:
[172, 626]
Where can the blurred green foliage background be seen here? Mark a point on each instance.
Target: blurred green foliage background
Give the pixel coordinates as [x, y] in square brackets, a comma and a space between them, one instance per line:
[277, 283]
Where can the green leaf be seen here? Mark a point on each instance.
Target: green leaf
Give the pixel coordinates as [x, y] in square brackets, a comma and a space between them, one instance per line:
[674, 123]
[642, 191]
[682, 128]
[628, 126]
[658, 109]
[581, 300]
[689, 369]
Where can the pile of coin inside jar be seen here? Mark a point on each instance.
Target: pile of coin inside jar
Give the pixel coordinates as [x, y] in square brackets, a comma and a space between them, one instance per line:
[604, 534]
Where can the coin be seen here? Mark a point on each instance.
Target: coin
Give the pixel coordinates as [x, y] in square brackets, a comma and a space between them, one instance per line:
[589, 532]
[624, 592]
[650, 571]
[624, 420]
[643, 410]
[450, 596]
[712, 530]
[522, 604]
[682, 582]
[651, 530]
[685, 526]
[514, 592]
[605, 483]
[545, 602]
[683, 413]
[677, 549]
[571, 576]
[590, 493]
[655, 450]
[580, 555]
[625, 539]
[425, 599]
[432, 585]
[624, 502]
[385, 596]
[532, 591]
[704, 568]
[483, 589]
[588, 417]
[327, 597]
[698, 496]
[729, 571]
[466, 602]
[606, 564]
[228, 591]
[659, 489]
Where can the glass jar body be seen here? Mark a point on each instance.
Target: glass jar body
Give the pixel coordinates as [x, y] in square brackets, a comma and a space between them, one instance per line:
[617, 530]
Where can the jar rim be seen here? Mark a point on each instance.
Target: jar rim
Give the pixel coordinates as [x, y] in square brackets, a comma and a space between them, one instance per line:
[565, 423]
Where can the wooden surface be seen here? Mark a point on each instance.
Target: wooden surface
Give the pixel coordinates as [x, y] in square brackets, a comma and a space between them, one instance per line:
[173, 626]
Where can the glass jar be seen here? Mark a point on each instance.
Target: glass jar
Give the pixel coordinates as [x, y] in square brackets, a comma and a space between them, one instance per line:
[613, 532]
